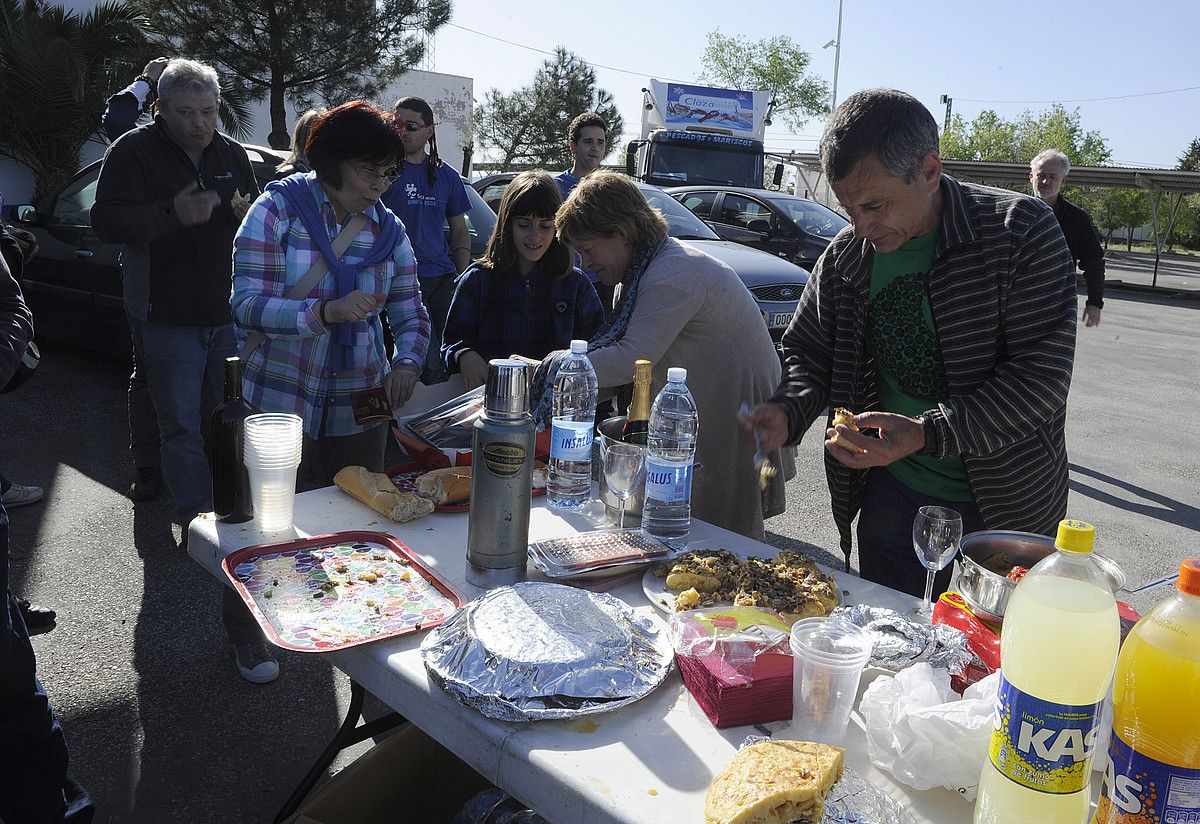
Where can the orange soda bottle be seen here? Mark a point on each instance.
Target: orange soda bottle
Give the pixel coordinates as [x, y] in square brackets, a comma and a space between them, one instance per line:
[1153, 770]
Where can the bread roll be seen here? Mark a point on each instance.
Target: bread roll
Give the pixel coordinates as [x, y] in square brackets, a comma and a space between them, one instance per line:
[774, 782]
[450, 485]
[377, 491]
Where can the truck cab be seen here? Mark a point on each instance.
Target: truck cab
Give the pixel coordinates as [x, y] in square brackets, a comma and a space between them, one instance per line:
[700, 135]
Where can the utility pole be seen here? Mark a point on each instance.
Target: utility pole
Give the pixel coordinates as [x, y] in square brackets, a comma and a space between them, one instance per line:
[949, 101]
[837, 57]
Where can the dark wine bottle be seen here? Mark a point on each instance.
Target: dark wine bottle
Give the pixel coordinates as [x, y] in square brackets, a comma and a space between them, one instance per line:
[231, 482]
[637, 424]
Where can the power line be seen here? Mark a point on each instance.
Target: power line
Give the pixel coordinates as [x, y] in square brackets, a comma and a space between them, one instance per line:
[543, 51]
[1084, 99]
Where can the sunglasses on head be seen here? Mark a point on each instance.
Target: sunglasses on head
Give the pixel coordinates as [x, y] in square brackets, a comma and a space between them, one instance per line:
[412, 125]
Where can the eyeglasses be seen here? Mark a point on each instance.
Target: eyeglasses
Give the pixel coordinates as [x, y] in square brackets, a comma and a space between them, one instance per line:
[372, 177]
[413, 126]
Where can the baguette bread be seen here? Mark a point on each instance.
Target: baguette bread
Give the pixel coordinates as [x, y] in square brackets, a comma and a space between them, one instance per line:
[450, 485]
[774, 782]
[377, 491]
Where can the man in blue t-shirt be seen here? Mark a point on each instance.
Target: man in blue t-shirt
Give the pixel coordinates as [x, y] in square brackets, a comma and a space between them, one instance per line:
[587, 138]
[427, 195]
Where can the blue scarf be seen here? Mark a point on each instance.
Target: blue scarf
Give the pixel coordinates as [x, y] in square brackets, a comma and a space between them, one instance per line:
[542, 390]
[297, 189]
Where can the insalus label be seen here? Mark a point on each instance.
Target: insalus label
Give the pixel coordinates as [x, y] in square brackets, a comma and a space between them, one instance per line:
[1040, 744]
[504, 459]
[571, 440]
[1140, 790]
[668, 481]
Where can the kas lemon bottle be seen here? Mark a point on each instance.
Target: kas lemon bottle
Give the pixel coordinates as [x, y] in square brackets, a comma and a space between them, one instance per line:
[1153, 770]
[1058, 648]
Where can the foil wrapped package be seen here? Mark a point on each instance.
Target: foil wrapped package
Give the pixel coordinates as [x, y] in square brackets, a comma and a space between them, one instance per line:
[900, 642]
[536, 651]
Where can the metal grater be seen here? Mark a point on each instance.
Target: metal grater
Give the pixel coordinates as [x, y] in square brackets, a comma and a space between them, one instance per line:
[593, 550]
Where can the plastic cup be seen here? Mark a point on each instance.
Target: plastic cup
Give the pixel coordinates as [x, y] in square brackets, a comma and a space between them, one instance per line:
[273, 493]
[828, 655]
[271, 453]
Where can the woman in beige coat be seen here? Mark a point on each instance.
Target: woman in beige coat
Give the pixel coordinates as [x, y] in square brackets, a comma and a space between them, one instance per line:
[677, 306]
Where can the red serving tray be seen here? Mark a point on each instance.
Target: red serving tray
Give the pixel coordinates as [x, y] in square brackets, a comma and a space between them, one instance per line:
[404, 477]
[397, 613]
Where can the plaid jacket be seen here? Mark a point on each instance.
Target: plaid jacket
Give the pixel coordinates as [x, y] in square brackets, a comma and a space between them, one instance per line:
[1002, 292]
[498, 314]
[290, 371]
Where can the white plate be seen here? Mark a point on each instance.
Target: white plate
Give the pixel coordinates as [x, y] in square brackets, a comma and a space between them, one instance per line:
[656, 592]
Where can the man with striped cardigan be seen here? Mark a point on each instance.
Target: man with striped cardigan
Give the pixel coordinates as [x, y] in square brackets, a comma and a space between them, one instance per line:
[944, 317]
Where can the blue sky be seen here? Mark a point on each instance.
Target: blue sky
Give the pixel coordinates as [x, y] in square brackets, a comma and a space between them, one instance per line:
[1008, 56]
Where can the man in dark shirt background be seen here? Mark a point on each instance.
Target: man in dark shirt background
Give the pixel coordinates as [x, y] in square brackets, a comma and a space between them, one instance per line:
[1048, 174]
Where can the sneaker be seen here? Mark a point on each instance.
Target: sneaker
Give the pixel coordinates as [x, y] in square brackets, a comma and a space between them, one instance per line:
[148, 484]
[38, 619]
[256, 662]
[21, 495]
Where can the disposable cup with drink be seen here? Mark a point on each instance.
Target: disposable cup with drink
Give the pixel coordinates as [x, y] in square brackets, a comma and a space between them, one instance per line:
[828, 656]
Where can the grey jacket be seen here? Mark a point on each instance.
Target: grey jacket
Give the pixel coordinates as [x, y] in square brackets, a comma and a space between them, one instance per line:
[1002, 293]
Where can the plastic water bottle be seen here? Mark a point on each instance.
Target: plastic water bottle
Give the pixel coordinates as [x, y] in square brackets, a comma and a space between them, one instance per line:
[572, 425]
[1153, 769]
[1058, 650]
[671, 451]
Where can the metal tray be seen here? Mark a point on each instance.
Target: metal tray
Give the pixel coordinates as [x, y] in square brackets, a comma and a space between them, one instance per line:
[317, 594]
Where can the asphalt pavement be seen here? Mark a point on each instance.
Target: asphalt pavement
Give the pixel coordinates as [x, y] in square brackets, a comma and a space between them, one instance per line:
[159, 724]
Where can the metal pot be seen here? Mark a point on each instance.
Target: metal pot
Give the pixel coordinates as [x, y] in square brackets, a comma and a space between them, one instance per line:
[987, 592]
[608, 431]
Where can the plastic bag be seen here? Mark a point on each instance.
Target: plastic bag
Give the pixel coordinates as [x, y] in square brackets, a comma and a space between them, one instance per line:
[920, 731]
[737, 634]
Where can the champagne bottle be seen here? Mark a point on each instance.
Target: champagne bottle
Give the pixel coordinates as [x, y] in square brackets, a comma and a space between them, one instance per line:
[637, 424]
[231, 482]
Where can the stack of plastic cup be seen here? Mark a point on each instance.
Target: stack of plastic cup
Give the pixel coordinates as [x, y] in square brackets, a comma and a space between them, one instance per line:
[828, 655]
[272, 454]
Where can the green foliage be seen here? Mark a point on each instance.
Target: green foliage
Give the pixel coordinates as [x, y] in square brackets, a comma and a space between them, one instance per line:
[58, 68]
[529, 125]
[991, 137]
[773, 64]
[1190, 161]
[297, 49]
[1113, 209]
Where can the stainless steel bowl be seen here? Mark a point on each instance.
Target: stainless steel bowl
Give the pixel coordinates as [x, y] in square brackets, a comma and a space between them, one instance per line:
[987, 592]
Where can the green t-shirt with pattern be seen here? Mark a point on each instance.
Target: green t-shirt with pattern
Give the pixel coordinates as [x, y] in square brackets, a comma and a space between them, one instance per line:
[908, 362]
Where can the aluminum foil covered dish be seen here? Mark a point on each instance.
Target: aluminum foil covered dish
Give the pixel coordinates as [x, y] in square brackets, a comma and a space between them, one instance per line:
[534, 651]
[900, 642]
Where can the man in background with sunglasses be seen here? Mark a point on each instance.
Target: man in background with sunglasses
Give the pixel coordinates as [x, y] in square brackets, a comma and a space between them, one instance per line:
[428, 194]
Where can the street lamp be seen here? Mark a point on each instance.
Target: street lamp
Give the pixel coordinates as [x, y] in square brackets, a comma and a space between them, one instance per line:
[837, 56]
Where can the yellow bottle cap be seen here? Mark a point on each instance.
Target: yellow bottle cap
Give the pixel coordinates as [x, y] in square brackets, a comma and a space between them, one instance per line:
[1075, 536]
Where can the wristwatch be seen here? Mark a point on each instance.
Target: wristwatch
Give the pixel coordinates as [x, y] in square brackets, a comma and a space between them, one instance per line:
[410, 363]
[149, 81]
[931, 434]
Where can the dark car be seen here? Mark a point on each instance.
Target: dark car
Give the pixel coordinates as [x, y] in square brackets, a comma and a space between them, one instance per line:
[775, 284]
[73, 283]
[794, 228]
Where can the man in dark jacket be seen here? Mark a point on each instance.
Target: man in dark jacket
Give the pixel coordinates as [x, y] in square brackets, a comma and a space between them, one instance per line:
[166, 191]
[1048, 174]
[944, 316]
[33, 752]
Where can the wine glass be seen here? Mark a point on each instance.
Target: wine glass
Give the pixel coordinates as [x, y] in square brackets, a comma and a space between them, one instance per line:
[937, 532]
[624, 469]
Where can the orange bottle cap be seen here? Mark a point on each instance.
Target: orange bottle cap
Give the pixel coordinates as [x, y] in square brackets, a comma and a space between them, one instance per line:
[1189, 576]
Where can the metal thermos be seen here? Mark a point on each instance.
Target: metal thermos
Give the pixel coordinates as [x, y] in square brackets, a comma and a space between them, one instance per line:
[501, 479]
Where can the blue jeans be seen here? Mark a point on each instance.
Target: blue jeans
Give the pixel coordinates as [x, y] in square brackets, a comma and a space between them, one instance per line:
[34, 787]
[185, 368]
[436, 293]
[885, 544]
